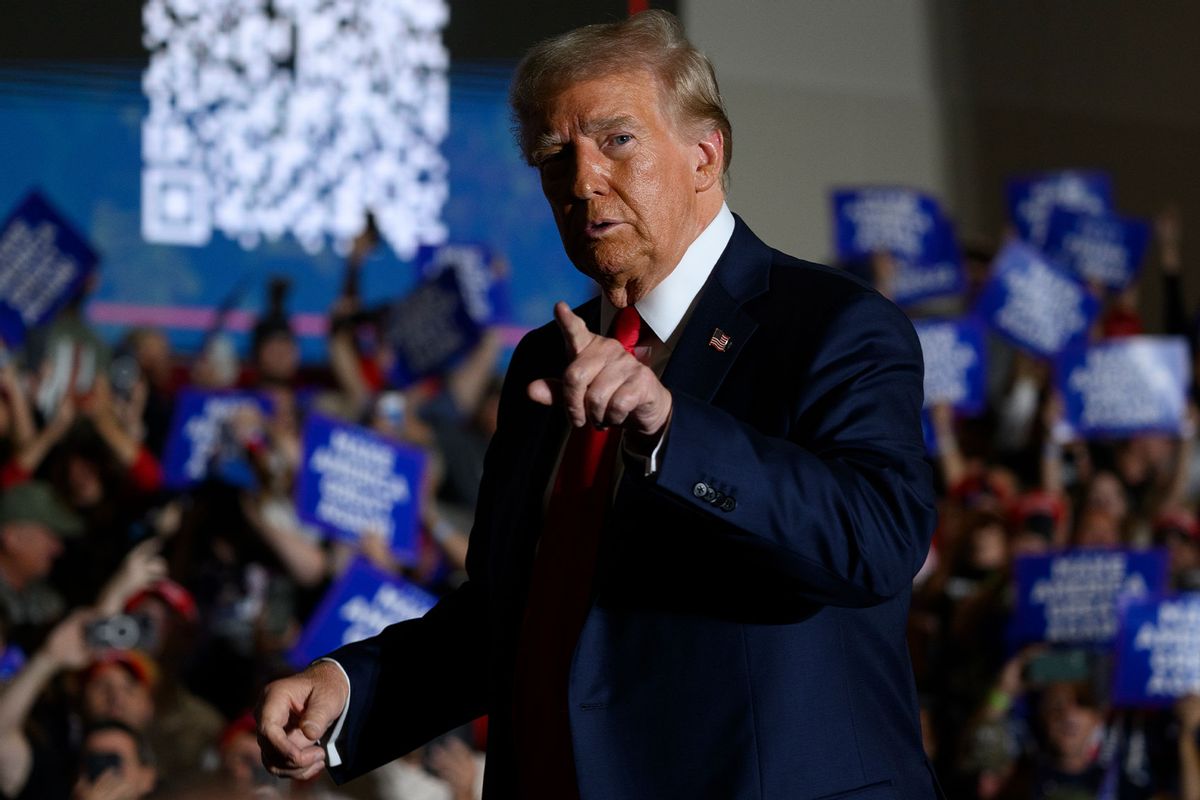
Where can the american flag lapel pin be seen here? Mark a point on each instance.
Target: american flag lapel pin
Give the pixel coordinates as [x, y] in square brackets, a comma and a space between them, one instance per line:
[719, 340]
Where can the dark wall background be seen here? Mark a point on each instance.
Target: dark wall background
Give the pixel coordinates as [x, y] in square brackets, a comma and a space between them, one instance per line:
[84, 30]
[1110, 85]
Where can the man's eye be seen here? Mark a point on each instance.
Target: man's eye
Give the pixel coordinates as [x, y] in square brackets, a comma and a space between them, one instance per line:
[621, 139]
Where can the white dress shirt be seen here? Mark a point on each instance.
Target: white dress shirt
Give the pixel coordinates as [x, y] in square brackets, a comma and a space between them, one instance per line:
[667, 307]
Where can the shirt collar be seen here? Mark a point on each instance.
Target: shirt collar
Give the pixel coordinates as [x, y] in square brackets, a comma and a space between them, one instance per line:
[664, 306]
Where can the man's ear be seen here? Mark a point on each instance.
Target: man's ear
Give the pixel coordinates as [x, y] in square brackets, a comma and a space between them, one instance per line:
[710, 160]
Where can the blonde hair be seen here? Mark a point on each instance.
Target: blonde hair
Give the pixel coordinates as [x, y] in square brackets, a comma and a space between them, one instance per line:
[652, 40]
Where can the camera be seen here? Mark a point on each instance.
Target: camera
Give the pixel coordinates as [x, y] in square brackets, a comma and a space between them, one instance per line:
[122, 632]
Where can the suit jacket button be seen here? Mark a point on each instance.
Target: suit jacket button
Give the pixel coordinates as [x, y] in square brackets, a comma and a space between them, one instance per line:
[715, 498]
[729, 504]
[711, 494]
[700, 489]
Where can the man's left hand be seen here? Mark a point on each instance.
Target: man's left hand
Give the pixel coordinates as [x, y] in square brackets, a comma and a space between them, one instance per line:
[604, 385]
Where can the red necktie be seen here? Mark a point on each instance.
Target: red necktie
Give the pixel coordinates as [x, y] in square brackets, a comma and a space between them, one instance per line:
[559, 599]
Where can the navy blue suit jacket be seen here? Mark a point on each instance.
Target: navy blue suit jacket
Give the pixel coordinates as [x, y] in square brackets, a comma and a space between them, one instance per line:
[749, 647]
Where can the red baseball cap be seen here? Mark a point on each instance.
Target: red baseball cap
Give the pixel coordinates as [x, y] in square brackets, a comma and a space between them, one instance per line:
[178, 598]
[1177, 521]
[136, 663]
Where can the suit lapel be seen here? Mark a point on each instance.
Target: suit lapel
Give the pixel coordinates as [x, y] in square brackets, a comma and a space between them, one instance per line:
[698, 367]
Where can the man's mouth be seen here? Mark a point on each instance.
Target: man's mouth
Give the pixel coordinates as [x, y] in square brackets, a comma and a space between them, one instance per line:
[597, 228]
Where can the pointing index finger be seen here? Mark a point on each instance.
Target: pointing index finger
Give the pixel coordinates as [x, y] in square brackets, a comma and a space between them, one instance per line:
[574, 329]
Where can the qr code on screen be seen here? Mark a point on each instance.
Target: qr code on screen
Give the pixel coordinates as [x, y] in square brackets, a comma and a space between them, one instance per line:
[274, 117]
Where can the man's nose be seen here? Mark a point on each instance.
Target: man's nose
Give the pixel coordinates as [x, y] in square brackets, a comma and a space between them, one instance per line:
[590, 178]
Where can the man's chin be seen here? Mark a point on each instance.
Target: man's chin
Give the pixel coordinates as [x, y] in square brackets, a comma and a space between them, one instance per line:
[604, 271]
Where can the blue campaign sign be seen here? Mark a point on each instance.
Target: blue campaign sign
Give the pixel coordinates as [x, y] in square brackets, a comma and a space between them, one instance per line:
[1125, 386]
[955, 363]
[361, 604]
[915, 283]
[201, 443]
[1035, 304]
[1098, 247]
[431, 328]
[484, 286]
[353, 481]
[908, 224]
[1072, 597]
[1033, 198]
[1158, 651]
[44, 261]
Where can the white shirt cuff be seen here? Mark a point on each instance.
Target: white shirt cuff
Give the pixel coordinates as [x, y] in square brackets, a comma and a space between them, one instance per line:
[332, 758]
[649, 463]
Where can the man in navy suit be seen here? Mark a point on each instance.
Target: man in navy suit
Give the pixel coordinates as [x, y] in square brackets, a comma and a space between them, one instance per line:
[694, 582]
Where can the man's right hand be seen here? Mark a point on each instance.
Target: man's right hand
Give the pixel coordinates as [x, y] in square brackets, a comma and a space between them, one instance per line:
[294, 713]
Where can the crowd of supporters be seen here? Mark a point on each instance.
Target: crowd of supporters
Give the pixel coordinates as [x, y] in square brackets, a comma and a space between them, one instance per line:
[139, 622]
[1003, 720]
[214, 582]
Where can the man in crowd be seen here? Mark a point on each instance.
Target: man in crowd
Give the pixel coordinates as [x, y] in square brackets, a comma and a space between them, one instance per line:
[116, 764]
[32, 523]
[694, 582]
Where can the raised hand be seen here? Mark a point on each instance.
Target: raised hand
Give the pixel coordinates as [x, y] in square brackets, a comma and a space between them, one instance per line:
[603, 385]
[66, 645]
[141, 567]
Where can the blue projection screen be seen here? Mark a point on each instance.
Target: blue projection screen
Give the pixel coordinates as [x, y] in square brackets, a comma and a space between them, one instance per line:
[75, 133]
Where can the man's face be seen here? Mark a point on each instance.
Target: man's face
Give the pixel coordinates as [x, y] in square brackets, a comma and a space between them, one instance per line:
[84, 484]
[153, 353]
[113, 693]
[31, 548]
[622, 180]
[137, 778]
[279, 358]
[1070, 726]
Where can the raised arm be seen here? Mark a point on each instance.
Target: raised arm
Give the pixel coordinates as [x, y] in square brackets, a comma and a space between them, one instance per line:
[33, 450]
[303, 558]
[949, 456]
[64, 649]
[843, 504]
[23, 427]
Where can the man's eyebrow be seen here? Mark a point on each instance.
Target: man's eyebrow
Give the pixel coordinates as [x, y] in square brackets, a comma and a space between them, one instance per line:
[546, 141]
[609, 123]
[549, 140]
